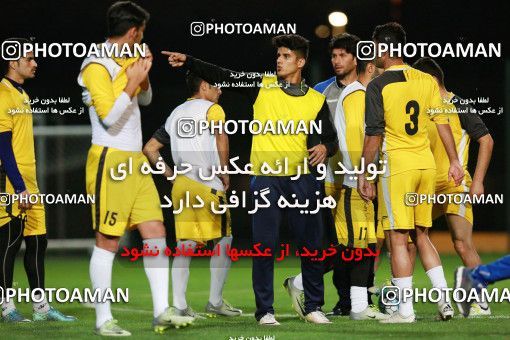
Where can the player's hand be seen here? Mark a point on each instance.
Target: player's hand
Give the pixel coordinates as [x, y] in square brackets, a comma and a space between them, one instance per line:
[366, 189]
[175, 59]
[24, 204]
[136, 74]
[225, 179]
[169, 174]
[476, 189]
[318, 154]
[456, 172]
[144, 85]
[148, 53]
[138, 71]
[146, 65]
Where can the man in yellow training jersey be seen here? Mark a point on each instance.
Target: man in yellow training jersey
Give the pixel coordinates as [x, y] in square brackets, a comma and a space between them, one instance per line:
[466, 126]
[113, 89]
[21, 220]
[396, 116]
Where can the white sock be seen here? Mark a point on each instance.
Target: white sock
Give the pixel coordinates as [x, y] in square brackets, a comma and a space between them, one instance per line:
[359, 299]
[42, 306]
[436, 276]
[100, 270]
[8, 307]
[220, 266]
[298, 281]
[157, 271]
[405, 308]
[180, 275]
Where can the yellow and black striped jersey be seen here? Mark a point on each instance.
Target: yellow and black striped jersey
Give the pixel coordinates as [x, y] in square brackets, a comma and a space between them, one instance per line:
[398, 105]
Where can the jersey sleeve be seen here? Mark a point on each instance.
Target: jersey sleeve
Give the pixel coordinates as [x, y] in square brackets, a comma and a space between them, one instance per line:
[6, 118]
[215, 113]
[374, 111]
[8, 161]
[145, 97]
[436, 109]
[161, 135]
[354, 108]
[98, 82]
[472, 123]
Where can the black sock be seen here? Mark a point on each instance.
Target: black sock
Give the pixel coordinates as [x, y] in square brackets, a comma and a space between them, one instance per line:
[34, 260]
[11, 235]
[371, 277]
[370, 284]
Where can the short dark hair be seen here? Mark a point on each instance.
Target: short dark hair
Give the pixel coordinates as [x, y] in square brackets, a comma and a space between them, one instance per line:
[345, 41]
[123, 15]
[430, 66]
[390, 33]
[5, 63]
[193, 82]
[293, 42]
[361, 65]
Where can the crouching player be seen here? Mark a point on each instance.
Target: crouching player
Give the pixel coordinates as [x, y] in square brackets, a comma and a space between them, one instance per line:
[196, 226]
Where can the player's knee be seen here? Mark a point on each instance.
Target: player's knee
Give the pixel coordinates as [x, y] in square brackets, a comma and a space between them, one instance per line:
[152, 229]
[36, 244]
[421, 235]
[398, 239]
[110, 246]
[43, 243]
[411, 247]
[106, 242]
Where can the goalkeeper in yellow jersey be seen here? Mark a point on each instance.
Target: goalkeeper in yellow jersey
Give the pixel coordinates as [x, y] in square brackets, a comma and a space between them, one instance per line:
[21, 220]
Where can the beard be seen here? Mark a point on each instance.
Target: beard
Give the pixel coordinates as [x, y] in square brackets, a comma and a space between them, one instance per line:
[344, 74]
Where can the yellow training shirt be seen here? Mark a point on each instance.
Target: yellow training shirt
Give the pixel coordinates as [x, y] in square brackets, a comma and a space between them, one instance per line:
[399, 103]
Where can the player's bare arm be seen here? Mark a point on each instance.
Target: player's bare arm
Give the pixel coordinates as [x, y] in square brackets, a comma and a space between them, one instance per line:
[175, 59]
[151, 151]
[223, 151]
[370, 149]
[482, 163]
[456, 171]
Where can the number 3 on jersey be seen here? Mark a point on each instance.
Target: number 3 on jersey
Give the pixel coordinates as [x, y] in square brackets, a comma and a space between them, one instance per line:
[412, 109]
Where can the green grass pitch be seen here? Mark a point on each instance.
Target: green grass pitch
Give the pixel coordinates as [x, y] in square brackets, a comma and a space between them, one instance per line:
[136, 315]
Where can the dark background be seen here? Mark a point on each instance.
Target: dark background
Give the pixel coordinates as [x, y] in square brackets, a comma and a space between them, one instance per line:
[169, 28]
